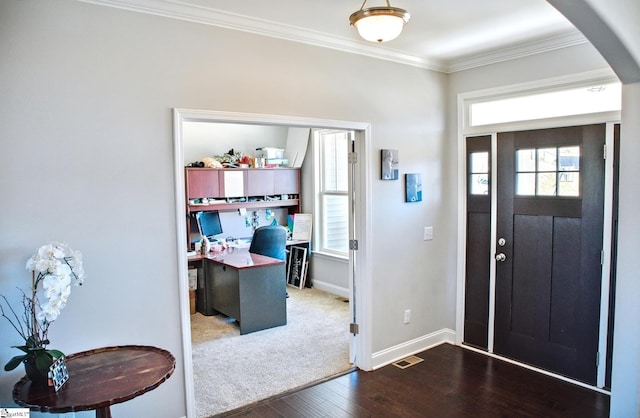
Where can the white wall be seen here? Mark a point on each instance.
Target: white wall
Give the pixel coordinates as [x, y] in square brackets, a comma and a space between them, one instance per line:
[622, 17]
[567, 61]
[205, 139]
[625, 378]
[86, 136]
[612, 28]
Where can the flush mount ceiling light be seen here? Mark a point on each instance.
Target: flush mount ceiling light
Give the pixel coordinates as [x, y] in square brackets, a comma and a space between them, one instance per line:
[379, 24]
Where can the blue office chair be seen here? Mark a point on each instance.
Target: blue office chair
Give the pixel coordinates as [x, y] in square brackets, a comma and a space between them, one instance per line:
[270, 241]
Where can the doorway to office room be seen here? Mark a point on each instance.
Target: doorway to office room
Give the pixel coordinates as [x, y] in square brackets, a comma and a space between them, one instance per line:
[217, 117]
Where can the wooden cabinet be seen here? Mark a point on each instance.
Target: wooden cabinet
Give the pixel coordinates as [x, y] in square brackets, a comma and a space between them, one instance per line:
[202, 182]
[280, 181]
[286, 181]
[232, 189]
[260, 182]
[252, 188]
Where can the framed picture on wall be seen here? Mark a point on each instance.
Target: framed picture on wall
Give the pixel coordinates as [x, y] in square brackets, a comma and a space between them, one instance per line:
[389, 164]
[413, 183]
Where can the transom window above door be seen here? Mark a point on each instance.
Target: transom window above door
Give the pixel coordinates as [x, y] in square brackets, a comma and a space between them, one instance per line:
[548, 172]
[551, 104]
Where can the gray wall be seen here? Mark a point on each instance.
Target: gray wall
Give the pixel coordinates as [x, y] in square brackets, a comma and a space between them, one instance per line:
[625, 379]
[87, 158]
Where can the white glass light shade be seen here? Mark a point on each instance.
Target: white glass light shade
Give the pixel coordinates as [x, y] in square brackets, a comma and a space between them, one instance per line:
[379, 24]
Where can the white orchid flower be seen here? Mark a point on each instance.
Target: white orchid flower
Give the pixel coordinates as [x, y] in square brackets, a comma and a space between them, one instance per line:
[48, 313]
[55, 267]
[61, 270]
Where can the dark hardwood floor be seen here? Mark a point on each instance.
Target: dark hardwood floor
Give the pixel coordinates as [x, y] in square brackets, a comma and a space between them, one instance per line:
[450, 382]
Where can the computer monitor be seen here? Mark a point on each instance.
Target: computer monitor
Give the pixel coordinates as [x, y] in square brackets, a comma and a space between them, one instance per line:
[209, 223]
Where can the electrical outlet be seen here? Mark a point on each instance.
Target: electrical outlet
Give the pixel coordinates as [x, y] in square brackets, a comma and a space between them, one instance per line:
[428, 233]
[407, 316]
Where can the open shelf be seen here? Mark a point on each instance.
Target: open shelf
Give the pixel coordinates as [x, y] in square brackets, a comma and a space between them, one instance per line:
[247, 205]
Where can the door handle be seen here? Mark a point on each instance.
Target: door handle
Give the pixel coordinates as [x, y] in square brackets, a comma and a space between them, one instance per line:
[501, 257]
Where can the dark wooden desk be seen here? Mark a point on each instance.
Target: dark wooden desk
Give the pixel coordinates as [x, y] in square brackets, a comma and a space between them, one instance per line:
[250, 288]
[100, 378]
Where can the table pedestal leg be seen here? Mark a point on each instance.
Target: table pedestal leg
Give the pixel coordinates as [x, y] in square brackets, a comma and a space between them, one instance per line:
[104, 412]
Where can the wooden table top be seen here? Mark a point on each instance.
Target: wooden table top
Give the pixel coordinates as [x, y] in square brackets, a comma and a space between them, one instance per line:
[100, 378]
[238, 258]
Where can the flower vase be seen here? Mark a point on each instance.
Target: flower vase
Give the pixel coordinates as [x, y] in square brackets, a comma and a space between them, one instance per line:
[36, 377]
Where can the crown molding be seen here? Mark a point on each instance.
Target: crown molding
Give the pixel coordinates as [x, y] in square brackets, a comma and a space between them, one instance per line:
[214, 17]
[176, 9]
[564, 40]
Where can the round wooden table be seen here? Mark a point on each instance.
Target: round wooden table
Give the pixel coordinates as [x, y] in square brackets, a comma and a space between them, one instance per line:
[100, 378]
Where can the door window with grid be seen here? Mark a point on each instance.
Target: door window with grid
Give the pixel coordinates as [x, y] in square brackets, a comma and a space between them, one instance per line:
[548, 172]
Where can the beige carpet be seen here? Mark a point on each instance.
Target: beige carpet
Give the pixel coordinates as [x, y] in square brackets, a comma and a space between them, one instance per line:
[232, 370]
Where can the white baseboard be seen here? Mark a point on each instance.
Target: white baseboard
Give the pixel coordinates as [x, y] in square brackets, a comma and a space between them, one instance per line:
[331, 288]
[400, 351]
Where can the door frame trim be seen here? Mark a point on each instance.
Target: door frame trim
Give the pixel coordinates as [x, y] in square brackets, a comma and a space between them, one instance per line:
[363, 226]
[463, 131]
[607, 243]
[494, 238]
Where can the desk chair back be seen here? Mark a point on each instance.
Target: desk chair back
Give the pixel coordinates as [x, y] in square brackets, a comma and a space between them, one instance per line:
[270, 241]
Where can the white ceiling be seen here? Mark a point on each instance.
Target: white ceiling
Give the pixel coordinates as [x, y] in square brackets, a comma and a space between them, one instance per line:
[443, 35]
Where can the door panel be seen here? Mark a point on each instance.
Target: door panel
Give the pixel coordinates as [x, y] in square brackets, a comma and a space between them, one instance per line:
[531, 257]
[476, 314]
[548, 287]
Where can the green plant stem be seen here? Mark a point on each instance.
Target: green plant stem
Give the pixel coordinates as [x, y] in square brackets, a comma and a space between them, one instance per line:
[18, 327]
[33, 308]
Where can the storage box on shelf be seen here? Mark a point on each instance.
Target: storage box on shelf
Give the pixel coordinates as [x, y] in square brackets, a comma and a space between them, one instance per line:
[269, 153]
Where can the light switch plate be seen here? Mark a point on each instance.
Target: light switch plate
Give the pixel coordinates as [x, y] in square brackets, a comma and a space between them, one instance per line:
[428, 233]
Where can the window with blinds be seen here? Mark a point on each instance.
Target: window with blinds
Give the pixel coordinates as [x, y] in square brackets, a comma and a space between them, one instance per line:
[332, 187]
